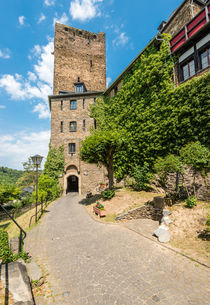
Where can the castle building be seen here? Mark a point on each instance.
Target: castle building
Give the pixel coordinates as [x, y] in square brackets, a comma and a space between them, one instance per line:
[79, 77]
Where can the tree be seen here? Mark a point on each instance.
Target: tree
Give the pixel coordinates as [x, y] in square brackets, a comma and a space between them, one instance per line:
[9, 193]
[29, 176]
[54, 166]
[197, 156]
[48, 188]
[100, 147]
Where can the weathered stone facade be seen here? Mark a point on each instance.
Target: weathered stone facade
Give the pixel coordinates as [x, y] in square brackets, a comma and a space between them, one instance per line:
[78, 54]
[182, 15]
[79, 59]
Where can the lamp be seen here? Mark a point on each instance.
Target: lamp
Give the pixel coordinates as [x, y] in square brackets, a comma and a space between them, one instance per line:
[37, 160]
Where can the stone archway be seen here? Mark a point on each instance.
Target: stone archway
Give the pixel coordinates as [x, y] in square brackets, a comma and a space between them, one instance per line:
[72, 184]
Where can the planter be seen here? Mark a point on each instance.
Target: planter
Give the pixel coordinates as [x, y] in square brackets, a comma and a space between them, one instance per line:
[101, 213]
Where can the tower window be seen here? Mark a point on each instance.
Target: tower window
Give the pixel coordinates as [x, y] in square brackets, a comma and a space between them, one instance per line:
[73, 35]
[61, 105]
[73, 105]
[66, 29]
[88, 40]
[91, 63]
[80, 33]
[94, 100]
[72, 148]
[73, 126]
[61, 126]
[83, 103]
[83, 125]
[79, 88]
[95, 124]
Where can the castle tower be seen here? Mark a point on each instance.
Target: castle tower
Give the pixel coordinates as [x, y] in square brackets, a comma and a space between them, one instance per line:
[79, 77]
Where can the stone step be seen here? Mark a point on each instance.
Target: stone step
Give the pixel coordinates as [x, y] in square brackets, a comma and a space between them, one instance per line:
[14, 278]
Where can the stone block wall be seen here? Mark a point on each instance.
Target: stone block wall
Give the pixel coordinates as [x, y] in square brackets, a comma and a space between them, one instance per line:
[78, 54]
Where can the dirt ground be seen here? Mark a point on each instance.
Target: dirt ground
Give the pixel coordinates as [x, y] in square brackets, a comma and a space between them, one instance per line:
[186, 230]
[124, 200]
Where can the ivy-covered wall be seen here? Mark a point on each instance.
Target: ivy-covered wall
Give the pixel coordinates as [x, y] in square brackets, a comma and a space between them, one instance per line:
[156, 117]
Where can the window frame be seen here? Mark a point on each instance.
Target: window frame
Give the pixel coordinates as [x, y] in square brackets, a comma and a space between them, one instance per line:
[72, 102]
[187, 62]
[70, 150]
[205, 49]
[73, 123]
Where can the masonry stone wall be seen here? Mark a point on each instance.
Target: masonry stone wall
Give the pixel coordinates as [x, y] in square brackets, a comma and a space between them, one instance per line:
[78, 54]
[183, 16]
[89, 175]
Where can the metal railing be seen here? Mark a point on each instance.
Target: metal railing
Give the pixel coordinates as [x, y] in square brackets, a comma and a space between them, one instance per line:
[22, 235]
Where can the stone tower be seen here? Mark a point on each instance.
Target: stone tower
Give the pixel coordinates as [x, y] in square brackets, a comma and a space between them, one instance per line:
[79, 77]
[79, 55]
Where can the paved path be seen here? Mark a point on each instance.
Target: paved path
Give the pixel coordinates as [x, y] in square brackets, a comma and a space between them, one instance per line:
[92, 263]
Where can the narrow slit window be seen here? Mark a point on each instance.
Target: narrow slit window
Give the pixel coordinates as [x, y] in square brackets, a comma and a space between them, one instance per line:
[83, 103]
[61, 126]
[95, 124]
[88, 40]
[91, 63]
[73, 35]
[83, 125]
[61, 105]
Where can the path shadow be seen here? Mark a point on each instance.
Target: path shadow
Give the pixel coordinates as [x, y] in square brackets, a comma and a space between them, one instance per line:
[89, 201]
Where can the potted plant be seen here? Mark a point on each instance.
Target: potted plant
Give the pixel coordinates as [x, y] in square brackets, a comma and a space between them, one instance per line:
[102, 185]
[99, 209]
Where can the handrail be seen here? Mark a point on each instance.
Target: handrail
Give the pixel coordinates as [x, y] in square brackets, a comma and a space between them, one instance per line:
[21, 237]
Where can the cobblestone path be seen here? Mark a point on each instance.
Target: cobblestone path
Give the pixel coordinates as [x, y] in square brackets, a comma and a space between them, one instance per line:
[91, 263]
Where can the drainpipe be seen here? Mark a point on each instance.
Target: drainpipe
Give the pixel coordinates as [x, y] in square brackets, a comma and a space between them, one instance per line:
[191, 6]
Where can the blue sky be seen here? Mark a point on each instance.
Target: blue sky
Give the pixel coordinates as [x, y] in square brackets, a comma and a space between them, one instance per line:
[26, 62]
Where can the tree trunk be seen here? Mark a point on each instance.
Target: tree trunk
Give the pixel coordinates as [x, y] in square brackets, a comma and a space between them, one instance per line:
[110, 168]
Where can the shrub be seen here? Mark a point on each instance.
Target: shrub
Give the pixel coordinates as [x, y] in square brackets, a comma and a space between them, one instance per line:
[27, 200]
[142, 176]
[6, 254]
[169, 164]
[108, 194]
[191, 202]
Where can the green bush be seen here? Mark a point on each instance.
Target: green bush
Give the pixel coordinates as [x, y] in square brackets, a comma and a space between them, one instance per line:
[191, 202]
[142, 176]
[108, 194]
[6, 254]
[27, 200]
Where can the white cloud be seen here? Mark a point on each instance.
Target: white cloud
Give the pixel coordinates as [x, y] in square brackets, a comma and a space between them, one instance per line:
[108, 81]
[42, 110]
[21, 20]
[63, 19]
[84, 9]
[49, 2]
[41, 18]
[2, 106]
[37, 85]
[121, 40]
[5, 53]
[32, 77]
[18, 147]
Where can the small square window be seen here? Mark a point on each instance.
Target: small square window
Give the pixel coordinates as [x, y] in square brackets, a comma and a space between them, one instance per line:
[205, 58]
[73, 105]
[72, 148]
[73, 126]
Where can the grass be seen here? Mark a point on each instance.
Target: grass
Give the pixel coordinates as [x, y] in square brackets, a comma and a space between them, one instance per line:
[23, 221]
[110, 218]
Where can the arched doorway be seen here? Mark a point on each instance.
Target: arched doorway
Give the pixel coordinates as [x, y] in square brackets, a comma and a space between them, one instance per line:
[72, 184]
